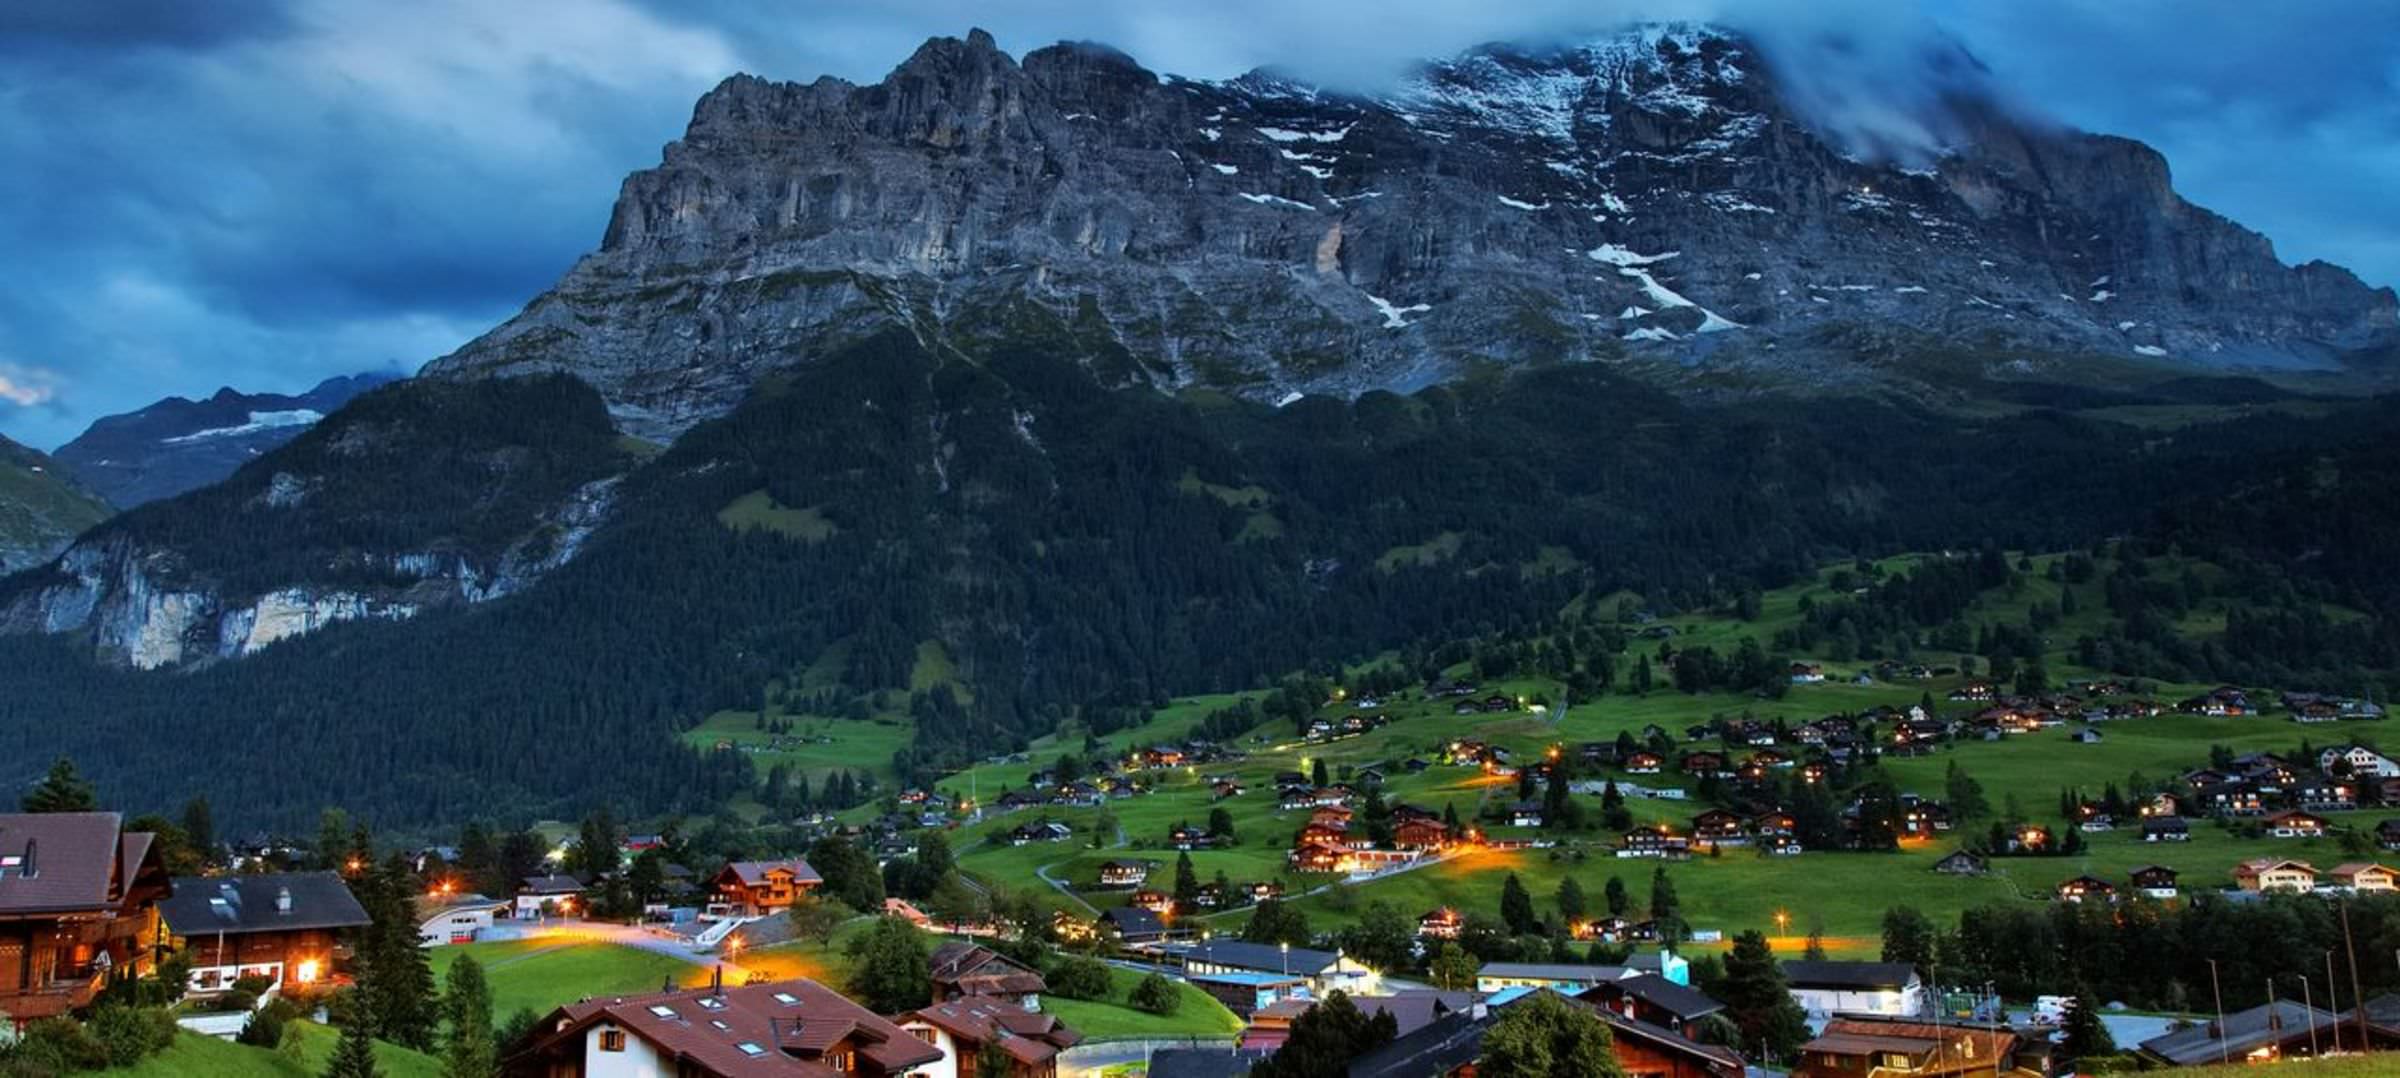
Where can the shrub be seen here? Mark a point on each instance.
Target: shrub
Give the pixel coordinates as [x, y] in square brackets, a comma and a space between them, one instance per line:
[266, 1025]
[1156, 995]
[127, 1034]
[61, 1044]
[1079, 978]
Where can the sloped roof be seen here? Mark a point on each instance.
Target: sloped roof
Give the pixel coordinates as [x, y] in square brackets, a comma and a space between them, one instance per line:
[2267, 1023]
[1031, 1039]
[236, 905]
[1860, 975]
[81, 860]
[782, 1023]
[754, 873]
[977, 970]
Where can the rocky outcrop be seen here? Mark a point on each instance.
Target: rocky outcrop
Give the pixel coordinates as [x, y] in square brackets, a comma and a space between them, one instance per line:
[177, 445]
[1649, 194]
[425, 496]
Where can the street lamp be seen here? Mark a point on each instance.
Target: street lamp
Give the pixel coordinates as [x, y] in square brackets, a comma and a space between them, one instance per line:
[1286, 948]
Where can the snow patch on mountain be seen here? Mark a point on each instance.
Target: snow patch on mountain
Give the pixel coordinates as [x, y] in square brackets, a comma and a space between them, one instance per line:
[295, 417]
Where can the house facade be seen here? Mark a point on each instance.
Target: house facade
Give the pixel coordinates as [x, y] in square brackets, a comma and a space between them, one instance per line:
[780, 1027]
[78, 904]
[2268, 874]
[960, 1028]
[290, 928]
[1889, 989]
[757, 888]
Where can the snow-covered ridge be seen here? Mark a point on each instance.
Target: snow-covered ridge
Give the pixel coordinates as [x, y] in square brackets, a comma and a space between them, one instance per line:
[296, 417]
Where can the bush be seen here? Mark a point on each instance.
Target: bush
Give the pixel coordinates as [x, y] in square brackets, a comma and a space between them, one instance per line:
[266, 1025]
[1156, 995]
[61, 1044]
[1079, 978]
[129, 1033]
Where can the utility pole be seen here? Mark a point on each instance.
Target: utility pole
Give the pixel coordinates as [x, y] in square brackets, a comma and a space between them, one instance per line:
[2358, 998]
[2333, 1000]
[2307, 1000]
[2218, 990]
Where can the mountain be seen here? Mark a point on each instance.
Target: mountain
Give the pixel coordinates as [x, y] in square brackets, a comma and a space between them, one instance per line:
[979, 399]
[177, 445]
[41, 508]
[1653, 195]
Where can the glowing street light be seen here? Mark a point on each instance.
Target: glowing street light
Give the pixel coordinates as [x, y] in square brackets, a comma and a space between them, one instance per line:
[1783, 922]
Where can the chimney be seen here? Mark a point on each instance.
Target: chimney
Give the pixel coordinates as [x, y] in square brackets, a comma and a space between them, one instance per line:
[26, 869]
[283, 900]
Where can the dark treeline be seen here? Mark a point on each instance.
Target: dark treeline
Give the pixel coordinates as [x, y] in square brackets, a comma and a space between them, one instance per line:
[2156, 956]
[1078, 552]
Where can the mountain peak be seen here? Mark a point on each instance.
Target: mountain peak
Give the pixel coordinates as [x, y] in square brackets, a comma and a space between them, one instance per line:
[1671, 190]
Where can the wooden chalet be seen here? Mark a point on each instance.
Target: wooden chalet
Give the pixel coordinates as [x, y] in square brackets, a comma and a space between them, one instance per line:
[1851, 1047]
[960, 969]
[291, 928]
[962, 1028]
[2155, 881]
[794, 1027]
[78, 905]
[756, 888]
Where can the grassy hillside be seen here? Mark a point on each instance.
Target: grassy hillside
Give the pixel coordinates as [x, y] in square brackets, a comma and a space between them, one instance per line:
[40, 507]
[1738, 890]
[195, 1056]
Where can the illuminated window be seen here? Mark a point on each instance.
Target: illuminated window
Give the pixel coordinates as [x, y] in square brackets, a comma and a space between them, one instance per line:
[612, 1040]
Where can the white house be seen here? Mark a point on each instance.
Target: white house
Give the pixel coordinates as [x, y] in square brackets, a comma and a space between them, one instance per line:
[2364, 762]
[1890, 989]
[455, 919]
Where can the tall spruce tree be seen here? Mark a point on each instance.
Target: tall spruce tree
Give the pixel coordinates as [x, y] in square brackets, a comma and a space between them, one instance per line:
[468, 1050]
[63, 789]
[1758, 999]
[354, 1054]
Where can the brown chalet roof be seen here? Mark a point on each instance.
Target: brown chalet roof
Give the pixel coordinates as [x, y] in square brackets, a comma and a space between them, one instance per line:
[1031, 1039]
[785, 1024]
[754, 873]
[1857, 1036]
[980, 971]
[80, 861]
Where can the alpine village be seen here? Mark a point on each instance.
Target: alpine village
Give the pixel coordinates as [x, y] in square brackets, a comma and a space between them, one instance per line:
[1565, 564]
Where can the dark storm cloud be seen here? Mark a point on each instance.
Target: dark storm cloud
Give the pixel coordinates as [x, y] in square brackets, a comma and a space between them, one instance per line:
[267, 192]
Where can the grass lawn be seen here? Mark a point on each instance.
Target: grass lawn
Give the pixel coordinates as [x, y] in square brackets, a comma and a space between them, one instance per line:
[541, 974]
[195, 1056]
[814, 748]
[1197, 1016]
[2375, 1065]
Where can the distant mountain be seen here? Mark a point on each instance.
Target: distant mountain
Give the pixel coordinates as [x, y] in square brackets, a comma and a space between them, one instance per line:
[1663, 197]
[177, 445]
[41, 508]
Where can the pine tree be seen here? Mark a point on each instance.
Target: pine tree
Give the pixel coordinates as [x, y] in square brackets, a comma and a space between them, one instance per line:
[200, 827]
[62, 790]
[1757, 998]
[1572, 905]
[1187, 884]
[1616, 897]
[2083, 1033]
[354, 1056]
[1516, 907]
[467, 1005]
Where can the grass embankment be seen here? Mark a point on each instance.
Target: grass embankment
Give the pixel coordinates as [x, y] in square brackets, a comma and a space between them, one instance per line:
[195, 1056]
[1115, 1018]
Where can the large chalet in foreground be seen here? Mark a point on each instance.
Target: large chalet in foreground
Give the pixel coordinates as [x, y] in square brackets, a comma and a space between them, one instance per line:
[796, 1027]
[287, 928]
[78, 903]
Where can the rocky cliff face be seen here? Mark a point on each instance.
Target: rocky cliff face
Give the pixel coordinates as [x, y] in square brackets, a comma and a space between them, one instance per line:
[418, 497]
[177, 445]
[41, 508]
[1648, 195]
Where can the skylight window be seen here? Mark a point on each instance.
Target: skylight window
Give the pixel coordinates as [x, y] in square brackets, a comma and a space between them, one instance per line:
[787, 999]
[751, 1048]
[662, 1010]
[711, 1003]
